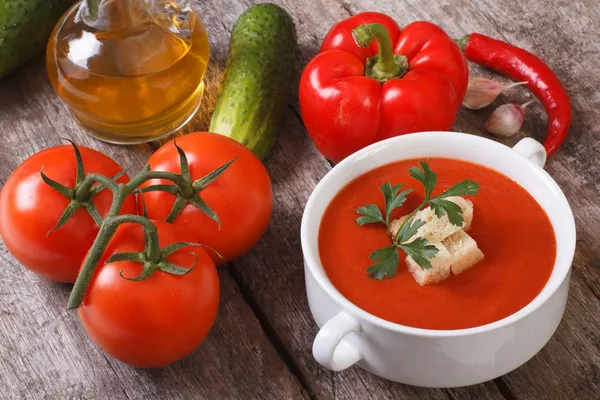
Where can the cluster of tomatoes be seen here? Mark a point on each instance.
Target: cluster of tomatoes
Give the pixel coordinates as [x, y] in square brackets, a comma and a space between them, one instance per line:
[161, 319]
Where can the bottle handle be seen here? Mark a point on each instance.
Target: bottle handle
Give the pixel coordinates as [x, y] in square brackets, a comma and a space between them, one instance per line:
[532, 150]
[328, 348]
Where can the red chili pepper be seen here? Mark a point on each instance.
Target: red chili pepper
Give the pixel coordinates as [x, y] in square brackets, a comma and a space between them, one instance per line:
[521, 65]
[352, 96]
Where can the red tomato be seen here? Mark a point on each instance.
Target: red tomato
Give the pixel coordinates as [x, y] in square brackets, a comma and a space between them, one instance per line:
[157, 321]
[29, 209]
[242, 196]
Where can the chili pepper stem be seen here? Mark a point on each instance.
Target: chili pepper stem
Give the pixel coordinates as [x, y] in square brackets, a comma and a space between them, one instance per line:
[462, 42]
[386, 65]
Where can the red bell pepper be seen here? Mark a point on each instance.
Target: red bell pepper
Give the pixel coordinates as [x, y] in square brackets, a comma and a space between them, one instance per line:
[361, 88]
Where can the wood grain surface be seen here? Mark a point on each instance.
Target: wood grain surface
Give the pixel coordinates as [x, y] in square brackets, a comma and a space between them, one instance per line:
[260, 347]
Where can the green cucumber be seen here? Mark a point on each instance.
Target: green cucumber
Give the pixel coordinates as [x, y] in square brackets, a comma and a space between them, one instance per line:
[24, 29]
[258, 78]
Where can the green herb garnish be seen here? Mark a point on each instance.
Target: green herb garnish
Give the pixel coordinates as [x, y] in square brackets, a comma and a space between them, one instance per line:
[387, 259]
[371, 213]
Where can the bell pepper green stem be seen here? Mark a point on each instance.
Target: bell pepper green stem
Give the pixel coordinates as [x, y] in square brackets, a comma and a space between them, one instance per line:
[386, 65]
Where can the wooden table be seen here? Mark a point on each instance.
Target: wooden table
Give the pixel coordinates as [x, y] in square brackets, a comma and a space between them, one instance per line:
[260, 346]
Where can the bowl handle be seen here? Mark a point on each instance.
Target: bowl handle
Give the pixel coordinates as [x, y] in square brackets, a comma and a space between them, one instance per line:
[532, 150]
[328, 348]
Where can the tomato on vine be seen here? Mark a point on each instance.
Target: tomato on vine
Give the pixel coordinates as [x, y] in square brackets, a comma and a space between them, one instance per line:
[151, 312]
[147, 291]
[48, 220]
[230, 214]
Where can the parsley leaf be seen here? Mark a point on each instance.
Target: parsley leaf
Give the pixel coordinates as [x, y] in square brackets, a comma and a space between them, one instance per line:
[420, 251]
[427, 177]
[393, 200]
[408, 229]
[386, 265]
[370, 214]
[441, 207]
[463, 188]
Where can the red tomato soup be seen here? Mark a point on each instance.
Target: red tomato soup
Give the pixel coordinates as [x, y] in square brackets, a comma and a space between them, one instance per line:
[510, 227]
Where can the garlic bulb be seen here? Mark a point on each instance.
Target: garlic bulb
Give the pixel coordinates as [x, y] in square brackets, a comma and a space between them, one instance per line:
[481, 92]
[506, 120]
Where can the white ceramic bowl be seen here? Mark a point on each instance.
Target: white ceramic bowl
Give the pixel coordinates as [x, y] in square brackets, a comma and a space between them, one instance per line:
[437, 358]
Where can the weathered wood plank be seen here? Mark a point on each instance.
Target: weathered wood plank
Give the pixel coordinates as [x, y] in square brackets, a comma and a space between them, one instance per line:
[295, 169]
[44, 350]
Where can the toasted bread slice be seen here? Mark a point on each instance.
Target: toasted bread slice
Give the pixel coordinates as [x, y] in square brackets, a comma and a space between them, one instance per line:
[463, 250]
[440, 267]
[437, 229]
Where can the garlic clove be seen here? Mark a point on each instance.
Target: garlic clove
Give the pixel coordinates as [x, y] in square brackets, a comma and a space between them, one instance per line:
[481, 92]
[506, 120]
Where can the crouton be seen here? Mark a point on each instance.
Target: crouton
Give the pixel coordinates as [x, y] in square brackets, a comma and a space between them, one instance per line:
[463, 250]
[440, 267]
[437, 229]
[457, 251]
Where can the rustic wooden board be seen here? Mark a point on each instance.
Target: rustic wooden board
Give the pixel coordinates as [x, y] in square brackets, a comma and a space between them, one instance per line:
[260, 346]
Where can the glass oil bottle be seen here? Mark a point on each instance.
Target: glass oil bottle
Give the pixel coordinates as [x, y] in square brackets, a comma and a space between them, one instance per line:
[131, 71]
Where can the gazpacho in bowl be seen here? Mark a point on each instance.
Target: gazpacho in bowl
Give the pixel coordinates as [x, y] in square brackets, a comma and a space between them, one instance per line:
[509, 226]
[437, 259]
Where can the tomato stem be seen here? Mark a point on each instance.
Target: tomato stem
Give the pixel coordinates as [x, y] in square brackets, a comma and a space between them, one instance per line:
[386, 65]
[152, 246]
[186, 190]
[77, 197]
[107, 230]
[146, 175]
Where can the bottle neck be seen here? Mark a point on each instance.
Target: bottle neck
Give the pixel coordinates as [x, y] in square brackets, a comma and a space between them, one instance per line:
[113, 14]
[177, 6]
[175, 15]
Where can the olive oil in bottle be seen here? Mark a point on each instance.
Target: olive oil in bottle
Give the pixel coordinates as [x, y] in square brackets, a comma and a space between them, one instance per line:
[132, 70]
